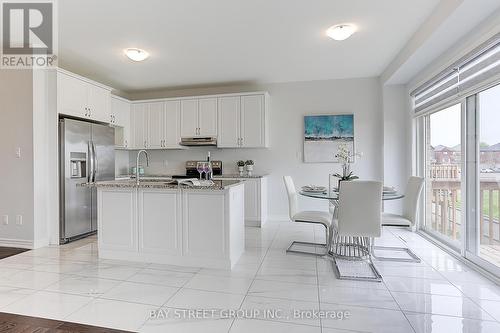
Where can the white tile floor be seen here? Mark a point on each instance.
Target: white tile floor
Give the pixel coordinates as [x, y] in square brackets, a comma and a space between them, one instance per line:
[71, 283]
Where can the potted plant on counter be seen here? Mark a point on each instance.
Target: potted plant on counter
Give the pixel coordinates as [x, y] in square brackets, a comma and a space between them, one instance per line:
[345, 157]
[241, 167]
[249, 165]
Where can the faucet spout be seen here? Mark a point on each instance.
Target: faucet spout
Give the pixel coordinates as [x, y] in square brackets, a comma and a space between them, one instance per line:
[137, 173]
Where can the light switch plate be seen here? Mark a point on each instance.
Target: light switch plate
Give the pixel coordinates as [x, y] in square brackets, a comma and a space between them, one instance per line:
[19, 219]
[18, 152]
[5, 219]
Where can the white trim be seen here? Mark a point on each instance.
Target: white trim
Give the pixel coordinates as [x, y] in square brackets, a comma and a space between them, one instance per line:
[76, 76]
[265, 93]
[21, 243]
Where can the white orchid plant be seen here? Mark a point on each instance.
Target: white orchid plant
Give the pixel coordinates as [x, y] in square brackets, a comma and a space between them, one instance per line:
[345, 157]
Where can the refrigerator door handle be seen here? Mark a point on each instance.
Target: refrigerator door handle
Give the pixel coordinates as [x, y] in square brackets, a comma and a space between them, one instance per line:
[95, 163]
[90, 164]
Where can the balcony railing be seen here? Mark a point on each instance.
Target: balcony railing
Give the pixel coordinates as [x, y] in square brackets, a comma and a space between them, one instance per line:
[445, 206]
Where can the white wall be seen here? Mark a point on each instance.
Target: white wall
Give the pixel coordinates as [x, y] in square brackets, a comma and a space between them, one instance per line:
[397, 140]
[289, 103]
[16, 181]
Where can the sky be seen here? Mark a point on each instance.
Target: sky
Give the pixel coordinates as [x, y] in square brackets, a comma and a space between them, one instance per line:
[445, 125]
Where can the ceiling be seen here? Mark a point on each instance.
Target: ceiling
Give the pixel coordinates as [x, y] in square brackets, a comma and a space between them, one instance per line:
[206, 42]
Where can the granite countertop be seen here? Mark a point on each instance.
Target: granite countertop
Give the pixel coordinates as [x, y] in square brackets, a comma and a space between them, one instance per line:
[224, 176]
[159, 184]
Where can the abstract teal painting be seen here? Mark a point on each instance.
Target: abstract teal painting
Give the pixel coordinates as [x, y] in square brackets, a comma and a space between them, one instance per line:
[323, 134]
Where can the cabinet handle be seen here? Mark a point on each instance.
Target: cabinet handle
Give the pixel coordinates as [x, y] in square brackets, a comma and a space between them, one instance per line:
[241, 141]
[145, 144]
[126, 144]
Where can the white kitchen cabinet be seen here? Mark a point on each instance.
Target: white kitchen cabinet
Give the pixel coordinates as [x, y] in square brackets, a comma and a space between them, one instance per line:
[255, 200]
[253, 124]
[82, 99]
[242, 121]
[72, 96]
[139, 121]
[175, 226]
[172, 124]
[160, 228]
[117, 219]
[155, 125]
[120, 119]
[199, 117]
[189, 118]
[229, 119]
[207, 117]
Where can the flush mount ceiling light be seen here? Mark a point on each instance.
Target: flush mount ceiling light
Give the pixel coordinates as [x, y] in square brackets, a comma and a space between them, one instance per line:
[136, 54]
[341, 31]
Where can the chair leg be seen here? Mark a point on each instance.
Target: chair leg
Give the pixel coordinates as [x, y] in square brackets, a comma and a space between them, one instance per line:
[413, 256]
[326, 245]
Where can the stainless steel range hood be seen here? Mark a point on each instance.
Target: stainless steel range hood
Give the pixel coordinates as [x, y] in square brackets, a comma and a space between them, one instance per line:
[199, 141]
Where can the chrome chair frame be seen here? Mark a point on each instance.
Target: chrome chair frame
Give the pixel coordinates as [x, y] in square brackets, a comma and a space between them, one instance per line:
[325, 245]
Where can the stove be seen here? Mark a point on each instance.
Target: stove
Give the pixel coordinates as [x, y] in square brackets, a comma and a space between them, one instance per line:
[192, 172]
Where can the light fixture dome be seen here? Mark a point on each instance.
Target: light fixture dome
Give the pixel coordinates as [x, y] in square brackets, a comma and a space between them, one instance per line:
[136, 54]
[341, 31]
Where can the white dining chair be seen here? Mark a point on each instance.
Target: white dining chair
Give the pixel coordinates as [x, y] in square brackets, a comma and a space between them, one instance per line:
[357, 224]
[407, 219]
[318, 217]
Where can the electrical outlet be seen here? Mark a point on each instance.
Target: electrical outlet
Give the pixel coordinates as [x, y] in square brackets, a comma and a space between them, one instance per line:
[19, 219]
[18, 152]
[5, 219]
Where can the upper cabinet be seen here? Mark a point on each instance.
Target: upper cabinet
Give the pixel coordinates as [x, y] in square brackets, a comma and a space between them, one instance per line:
[83, 99]
[156, 125]
[199, 117]
[243, 121]
[120, 119]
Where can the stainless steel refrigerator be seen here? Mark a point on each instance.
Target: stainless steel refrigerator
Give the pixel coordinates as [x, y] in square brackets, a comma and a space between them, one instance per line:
[86, 154]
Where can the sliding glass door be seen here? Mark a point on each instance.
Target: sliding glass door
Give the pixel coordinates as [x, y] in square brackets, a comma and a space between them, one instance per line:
[460, 158]
[483, 233]
[443, 175]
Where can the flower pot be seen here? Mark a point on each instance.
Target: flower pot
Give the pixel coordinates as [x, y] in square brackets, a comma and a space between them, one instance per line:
[240, 170]
[249, 169]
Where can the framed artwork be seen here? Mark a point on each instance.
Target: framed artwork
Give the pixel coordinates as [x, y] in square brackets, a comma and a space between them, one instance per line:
[323, 134]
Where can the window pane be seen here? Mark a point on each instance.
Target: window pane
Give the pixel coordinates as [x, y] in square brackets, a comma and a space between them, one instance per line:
[443, 174]
[489, 175]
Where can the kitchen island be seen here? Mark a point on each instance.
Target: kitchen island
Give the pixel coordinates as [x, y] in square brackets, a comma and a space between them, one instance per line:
[160, 222]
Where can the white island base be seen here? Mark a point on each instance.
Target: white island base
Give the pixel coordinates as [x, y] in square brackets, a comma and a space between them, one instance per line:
[176, 226]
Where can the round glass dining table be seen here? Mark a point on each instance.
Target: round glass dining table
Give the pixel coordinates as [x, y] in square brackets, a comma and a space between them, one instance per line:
[334, 196]
[343, 244]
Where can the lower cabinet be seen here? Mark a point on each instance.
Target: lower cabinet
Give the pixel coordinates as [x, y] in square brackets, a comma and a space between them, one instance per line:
[189, 227]
[117, 219]
[255, 200]
[159, 216]
[204, 224]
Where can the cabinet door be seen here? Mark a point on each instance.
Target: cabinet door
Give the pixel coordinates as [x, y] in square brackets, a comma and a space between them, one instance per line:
[120, 110]
[203, 228]
[98, 102]
[117, 219]
[71, 96]
[207, 119]
[172, 124]
[189, 118]
[155, 125]
[138, 127]
[252, 121]
[160, 222]
[229, 122]
[252, 199]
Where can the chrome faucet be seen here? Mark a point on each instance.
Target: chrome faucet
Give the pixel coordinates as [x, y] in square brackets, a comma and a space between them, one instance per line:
[137, 173]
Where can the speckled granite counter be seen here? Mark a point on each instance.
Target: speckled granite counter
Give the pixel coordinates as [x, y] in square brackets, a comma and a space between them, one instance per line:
[159, 184]
[164, 177]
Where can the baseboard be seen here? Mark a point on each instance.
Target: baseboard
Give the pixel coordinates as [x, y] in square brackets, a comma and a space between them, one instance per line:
[19, 243]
